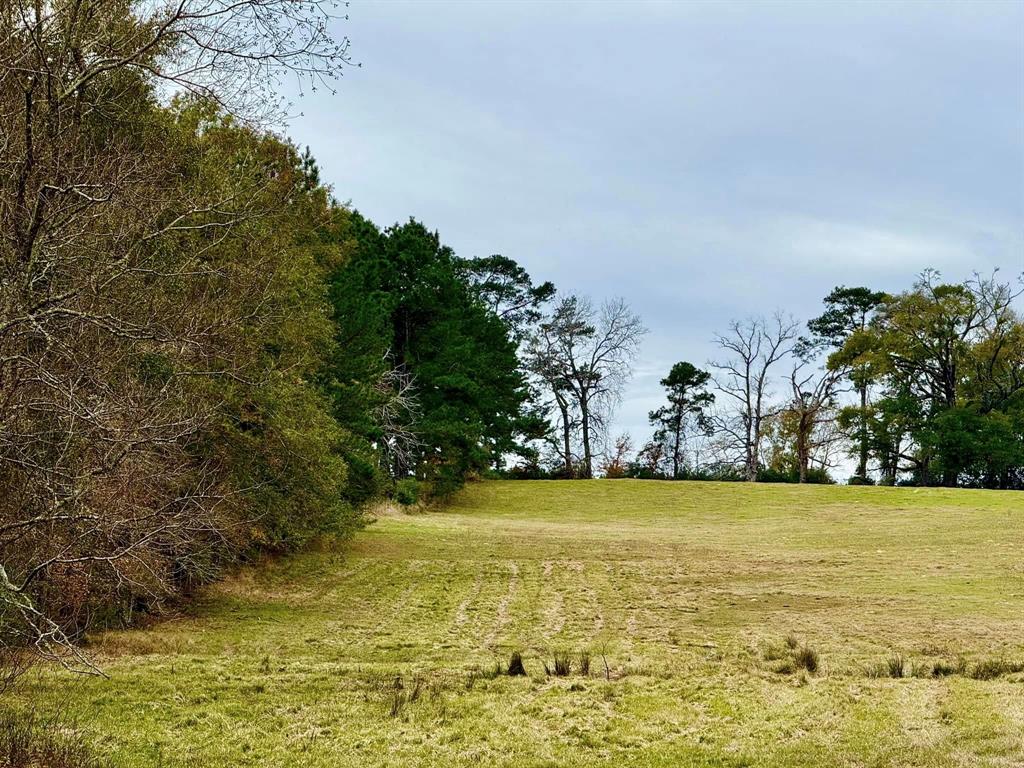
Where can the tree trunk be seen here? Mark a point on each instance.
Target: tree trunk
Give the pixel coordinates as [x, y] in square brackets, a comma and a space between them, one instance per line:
[588, 468]
[862, 466]
[751, 457]
[675, 450]
[802, 457]
[805, 429]
[566, 438]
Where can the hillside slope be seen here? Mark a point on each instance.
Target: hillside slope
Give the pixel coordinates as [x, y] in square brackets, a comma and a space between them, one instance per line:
[684, 594]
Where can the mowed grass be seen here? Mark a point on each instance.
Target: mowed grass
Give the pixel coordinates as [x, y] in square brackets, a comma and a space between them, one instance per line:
[382, 653]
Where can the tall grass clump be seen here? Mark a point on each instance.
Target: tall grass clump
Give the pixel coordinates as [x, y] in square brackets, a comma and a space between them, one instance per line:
[30, 741]
[515, 665]
[793, 655]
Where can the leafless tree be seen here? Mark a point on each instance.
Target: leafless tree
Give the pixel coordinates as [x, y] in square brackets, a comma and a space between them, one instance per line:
[811, 412]
[585, 357]
[396, 413]
[544, 361]
[753, 347]
[233, 53]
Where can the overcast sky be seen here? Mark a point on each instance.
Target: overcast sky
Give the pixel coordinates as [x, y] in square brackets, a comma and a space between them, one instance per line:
[705, 161]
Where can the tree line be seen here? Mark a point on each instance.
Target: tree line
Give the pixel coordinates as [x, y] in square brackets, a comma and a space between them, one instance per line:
[922, 387]
[203, 355]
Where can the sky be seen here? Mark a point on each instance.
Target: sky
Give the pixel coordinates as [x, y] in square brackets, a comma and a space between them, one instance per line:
[703, 161]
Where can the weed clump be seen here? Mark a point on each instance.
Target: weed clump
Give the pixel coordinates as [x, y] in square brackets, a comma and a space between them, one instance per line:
[806, 658]
[945, 669]
[562, 665]
[402, 696]
[515, 665]
[27, 741]
[793, 655]
[895, 665]
[484, 674]
[990, 669]
[585, 663]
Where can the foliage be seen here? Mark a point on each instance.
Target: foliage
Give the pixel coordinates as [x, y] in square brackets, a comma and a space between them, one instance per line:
[407, 492]
[402, 300]
[162, 312]
[685, 413]
[949, 360]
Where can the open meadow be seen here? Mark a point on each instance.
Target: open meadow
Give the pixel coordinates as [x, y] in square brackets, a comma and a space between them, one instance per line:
[727, 624]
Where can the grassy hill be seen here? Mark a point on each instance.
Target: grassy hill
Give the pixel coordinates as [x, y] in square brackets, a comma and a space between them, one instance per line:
[701, 606]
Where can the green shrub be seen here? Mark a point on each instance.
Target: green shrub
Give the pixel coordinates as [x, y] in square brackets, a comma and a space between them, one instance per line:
[860, 480]
[407, 492]
[364, 481]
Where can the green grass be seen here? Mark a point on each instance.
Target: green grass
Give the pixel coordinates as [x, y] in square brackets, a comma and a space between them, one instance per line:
[705, 600]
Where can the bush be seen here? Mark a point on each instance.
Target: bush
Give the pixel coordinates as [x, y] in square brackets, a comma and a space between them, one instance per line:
[860, 480]
[364, 480]
[28, 741]
[407, 492]
[815, 476]
[446, 483]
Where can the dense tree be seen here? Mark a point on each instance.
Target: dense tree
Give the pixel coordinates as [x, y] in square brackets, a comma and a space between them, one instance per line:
[688, 400]
[950, 358]
[419, 310]
[507, 289]
[849, 311]
[160, 312]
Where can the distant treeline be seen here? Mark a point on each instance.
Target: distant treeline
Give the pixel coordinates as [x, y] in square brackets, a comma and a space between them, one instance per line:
[924, 387]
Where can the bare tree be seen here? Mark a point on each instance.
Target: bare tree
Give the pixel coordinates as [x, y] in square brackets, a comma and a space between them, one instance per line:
[753, 347]
[812, 414]
[544, 361]
[396, 412]
[584, 356]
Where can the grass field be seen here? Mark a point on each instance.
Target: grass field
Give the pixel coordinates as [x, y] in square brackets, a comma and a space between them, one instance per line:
[383, 653]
